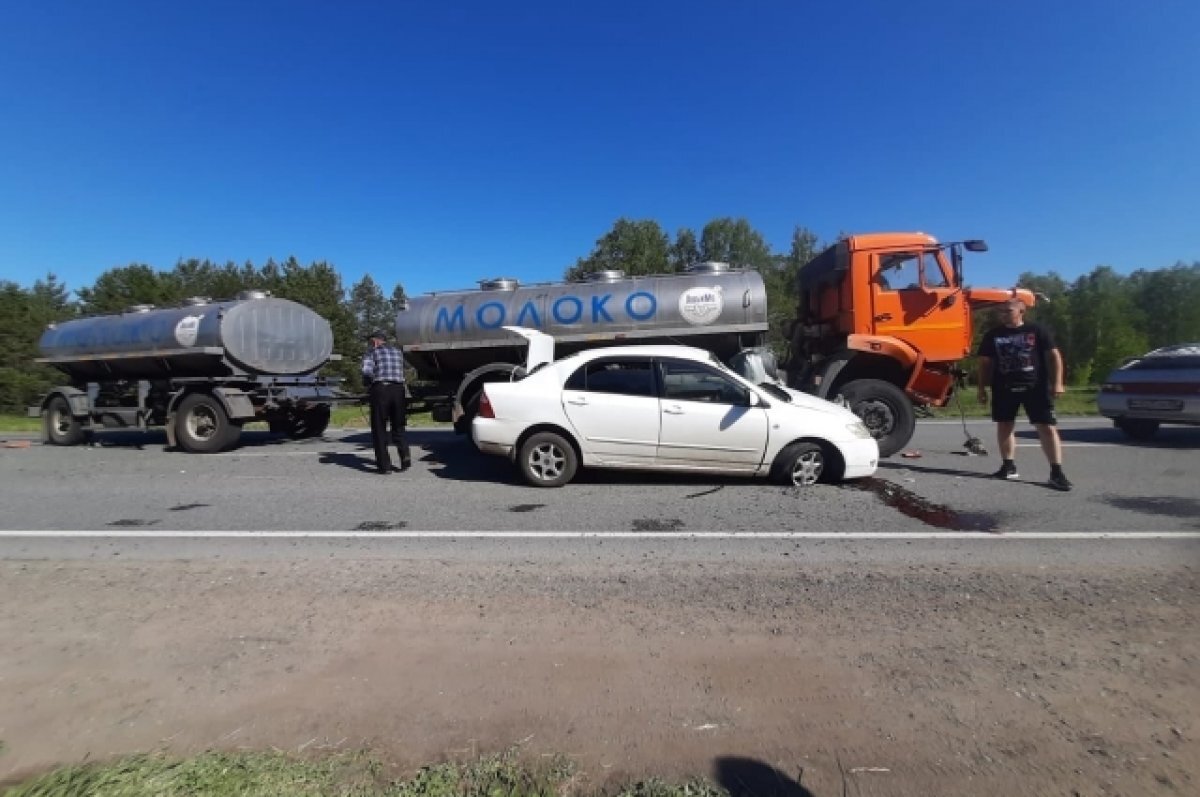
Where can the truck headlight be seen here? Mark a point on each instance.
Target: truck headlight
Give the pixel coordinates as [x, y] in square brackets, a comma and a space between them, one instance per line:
[858, 429]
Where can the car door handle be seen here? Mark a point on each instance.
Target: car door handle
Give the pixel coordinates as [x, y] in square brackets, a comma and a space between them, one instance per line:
[673, 410]
[884, 317]
[578, 402]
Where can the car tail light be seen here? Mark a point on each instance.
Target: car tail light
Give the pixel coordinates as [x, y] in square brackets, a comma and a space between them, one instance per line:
[485, 407]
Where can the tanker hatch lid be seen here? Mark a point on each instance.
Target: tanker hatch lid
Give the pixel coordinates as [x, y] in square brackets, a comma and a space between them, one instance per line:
[499, 284]
[707, 267]
[605, 275]
[254, 294]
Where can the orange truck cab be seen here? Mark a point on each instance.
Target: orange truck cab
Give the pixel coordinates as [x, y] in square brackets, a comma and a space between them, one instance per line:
[882, 321]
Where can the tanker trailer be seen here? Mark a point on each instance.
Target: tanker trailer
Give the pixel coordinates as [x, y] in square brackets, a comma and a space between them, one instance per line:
[200, 370]
[456, 342]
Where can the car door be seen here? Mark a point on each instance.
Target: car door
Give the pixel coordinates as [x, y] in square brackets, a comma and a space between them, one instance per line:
[913, 299]
[613, 404]
[707, 420]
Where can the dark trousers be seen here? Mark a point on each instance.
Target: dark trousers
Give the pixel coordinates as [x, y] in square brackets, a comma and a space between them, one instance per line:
[388, 404]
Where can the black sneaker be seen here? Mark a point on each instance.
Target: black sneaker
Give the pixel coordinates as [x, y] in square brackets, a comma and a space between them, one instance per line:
[1059, 481]
[1007, 471]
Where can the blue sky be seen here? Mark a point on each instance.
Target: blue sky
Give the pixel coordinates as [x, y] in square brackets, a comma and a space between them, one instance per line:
[435, 144]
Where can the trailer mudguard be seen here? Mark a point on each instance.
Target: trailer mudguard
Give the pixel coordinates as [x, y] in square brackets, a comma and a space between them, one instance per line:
[80, 404]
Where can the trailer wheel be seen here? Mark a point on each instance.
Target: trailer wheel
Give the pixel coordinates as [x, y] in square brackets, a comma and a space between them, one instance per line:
[885, 410]
[311, 422]
[61, 427]
[201, 425]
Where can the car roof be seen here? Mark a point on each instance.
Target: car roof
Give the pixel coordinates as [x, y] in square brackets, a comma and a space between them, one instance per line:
[1178, 350]
[648, 350]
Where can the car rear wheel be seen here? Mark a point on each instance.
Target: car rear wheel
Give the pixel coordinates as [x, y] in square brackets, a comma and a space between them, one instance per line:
[800, 465]
[547, 460]
[1138, 428]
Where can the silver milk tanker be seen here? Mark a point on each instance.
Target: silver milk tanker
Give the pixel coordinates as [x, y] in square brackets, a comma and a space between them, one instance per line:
[249, 336]
[456, 339]
[201, 370]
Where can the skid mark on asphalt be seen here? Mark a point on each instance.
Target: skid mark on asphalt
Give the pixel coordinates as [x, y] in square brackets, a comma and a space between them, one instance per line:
[182, 507]
[706, 492]
[924, 510]
[1168, 506]
[133, 522]
[525, 507]
[381, 525]
[654, 524]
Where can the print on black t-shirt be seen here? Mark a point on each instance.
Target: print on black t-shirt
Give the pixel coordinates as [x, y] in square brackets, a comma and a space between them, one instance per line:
[1015, 357]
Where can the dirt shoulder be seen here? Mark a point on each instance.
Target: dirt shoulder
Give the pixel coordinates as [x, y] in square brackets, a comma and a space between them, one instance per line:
[914, 680]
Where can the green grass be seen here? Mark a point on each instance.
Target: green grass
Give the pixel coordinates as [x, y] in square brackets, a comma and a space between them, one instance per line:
[260, 774]
[1076, 401]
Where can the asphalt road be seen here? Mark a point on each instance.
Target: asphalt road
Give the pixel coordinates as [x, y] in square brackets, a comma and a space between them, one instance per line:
[128, 485]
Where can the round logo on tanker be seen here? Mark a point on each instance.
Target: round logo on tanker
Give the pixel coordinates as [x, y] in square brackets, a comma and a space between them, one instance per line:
[701, 305]
[188, 329]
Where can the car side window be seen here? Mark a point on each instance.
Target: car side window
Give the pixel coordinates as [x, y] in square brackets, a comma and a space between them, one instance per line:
[689, 381]
[626, 377]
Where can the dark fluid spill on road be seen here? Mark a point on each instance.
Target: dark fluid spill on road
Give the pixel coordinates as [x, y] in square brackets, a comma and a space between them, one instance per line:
[133, 522]
[924, 510]
[525, 507]
[1168, 506]
[653, 524]
[381, 525]
[182, 507]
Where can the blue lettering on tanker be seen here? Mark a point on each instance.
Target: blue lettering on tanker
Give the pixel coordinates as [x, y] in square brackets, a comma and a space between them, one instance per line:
[499, 315]
[649, 306]
[447, 322]
[528, 309]
[598, 308]
[558, 315]
[564, 311]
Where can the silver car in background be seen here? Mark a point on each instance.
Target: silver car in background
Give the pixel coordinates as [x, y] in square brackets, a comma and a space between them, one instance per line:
[1160, 387]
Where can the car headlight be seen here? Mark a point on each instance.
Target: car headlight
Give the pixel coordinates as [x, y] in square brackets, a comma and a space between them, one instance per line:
[858, 429]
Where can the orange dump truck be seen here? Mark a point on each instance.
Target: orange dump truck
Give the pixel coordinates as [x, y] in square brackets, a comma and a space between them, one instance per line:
[882, 321]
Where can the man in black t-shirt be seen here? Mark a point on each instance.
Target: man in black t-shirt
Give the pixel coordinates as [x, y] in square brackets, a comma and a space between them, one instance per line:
[1022, 365]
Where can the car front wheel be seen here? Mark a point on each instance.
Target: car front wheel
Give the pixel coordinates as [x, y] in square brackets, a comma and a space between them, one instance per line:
[1138, 428]
[800, 465]
[547, 460]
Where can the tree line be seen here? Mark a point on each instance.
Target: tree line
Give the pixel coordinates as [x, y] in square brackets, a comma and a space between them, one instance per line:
[1098, 319]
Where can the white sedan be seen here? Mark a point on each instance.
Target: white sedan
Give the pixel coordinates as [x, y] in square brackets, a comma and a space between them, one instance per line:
[663, 408]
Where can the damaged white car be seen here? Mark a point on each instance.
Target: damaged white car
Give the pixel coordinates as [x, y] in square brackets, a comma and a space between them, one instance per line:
[666, 408]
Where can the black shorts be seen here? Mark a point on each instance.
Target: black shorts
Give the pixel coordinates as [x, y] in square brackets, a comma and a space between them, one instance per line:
[1037, 402]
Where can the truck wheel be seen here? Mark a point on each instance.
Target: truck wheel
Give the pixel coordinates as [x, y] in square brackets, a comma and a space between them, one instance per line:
[1138, 428]
[799, 465]
[547, 460]
[201, 425]
[885, 410]
[61, 427]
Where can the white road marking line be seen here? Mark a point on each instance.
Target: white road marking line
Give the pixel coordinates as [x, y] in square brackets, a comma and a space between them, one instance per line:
[638, 535]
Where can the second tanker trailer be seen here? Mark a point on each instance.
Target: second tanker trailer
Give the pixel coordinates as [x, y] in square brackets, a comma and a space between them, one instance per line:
[200, 370]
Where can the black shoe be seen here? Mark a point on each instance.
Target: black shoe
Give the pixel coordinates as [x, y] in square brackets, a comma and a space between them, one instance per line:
[1059, 481]
[405, 465]
[384, 471]
[1007, 471]
[395, 469]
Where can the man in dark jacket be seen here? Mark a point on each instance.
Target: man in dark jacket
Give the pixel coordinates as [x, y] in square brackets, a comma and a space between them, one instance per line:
[383, 374]
[1022, 365]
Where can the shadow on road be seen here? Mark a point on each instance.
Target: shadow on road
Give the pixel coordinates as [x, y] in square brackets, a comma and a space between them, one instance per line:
[1176, 437]
[745, 777]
